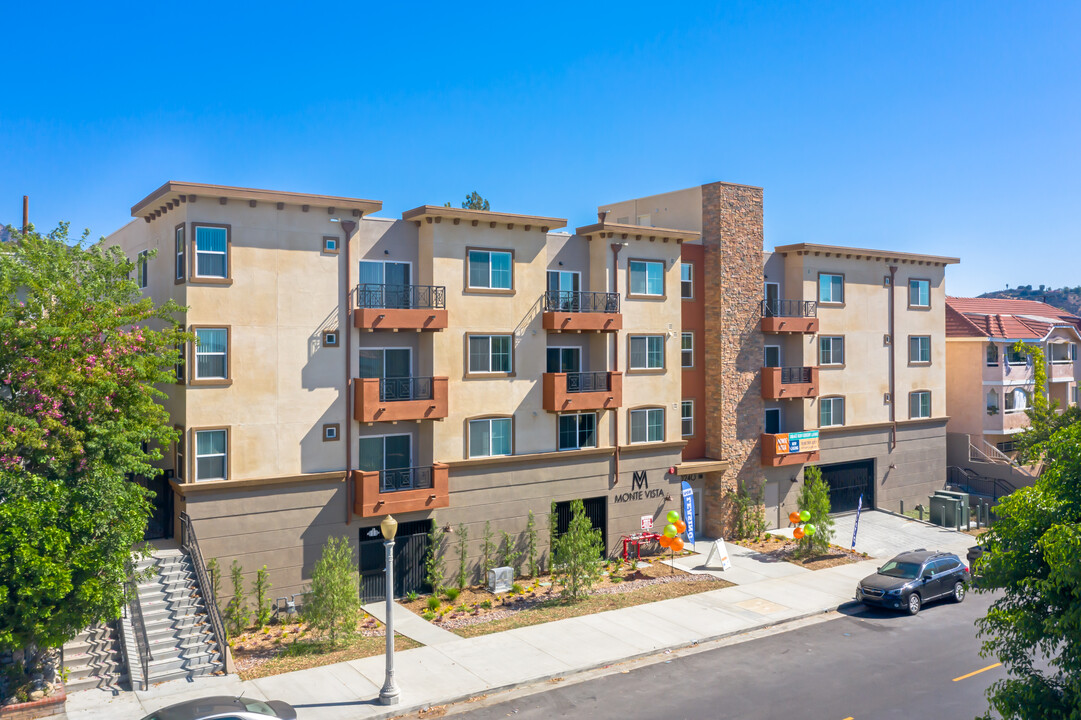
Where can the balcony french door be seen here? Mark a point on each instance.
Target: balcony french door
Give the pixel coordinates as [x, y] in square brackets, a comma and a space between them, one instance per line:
[564, 360]
[393, 276]
[563, 286]
[386, 452]
[386, 363]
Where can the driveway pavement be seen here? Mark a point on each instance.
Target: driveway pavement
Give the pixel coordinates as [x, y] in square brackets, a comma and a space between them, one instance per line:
[883, 535]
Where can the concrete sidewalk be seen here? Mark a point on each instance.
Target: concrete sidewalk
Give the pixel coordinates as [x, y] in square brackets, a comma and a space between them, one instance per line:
[450, 668]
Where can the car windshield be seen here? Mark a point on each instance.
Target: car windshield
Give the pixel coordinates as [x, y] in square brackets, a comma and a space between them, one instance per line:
[906, 570]
[258, 707]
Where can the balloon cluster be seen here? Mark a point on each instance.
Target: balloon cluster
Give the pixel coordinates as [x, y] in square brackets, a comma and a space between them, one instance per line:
[674, 528]
[801, 517]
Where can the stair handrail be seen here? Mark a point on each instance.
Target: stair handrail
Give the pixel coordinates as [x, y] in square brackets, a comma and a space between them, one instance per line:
[998, 456]
[138, 629]
[190, 542]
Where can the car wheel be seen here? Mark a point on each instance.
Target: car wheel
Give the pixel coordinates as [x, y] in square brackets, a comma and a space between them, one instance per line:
[958, 592]
[914, 604]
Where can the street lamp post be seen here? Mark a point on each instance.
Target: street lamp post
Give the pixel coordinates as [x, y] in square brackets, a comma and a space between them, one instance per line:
[389, 694]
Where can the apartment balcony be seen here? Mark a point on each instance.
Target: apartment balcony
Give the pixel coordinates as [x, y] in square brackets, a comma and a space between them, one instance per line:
[1004, 423]
[782, 383]
[385, 492]
[793, 448]
[400, 307]
[581, 312]
[789, 316]
[577, 392]
[1062, 370]
[394, 399]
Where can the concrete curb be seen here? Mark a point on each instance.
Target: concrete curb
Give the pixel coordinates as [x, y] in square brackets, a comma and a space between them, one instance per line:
[399, 710]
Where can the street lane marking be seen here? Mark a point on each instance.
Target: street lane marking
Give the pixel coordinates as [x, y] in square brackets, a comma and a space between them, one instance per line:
[989, 667]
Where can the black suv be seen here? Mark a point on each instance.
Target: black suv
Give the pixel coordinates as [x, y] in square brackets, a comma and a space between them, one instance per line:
[913, 578]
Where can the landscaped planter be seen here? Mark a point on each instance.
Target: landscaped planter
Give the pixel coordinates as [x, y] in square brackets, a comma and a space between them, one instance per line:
[44, 707]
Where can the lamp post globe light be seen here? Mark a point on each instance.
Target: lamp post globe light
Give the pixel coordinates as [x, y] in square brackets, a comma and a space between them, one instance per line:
[388, 695]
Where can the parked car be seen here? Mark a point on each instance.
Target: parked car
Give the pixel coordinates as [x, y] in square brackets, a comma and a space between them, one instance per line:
[233, 708]
[911, 579]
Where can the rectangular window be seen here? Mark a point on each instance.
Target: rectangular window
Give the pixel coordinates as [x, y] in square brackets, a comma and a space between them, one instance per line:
[647, 425]
[211, 252]
[489, 437]
[490, 354]
[686, 281]
[919, 349]
[647, 352]
[180, 253]
[330, 432]
[919, 404]
[992, 355]
[212, 354]
[179, 368]
[210, 454]
[1016, 400]
[686, 352]
[919, 293]
[1062, 352]
[831, 288]
[772, 356]
[178, 455]
[773, 421]
[687, 418]
[647, 277]
[831, 350]
[491, 269]
[577, 431]
[564, 360]
[143, 268]
[831, 412]
[1016, 358]
[330, 244]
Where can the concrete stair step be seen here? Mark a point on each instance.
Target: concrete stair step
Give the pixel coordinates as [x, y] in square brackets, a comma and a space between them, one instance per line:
[194, 671]
[186, 663]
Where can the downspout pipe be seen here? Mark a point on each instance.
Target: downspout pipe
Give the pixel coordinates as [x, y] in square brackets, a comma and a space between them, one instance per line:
[616, 247]
[348, 226]
[893, 358]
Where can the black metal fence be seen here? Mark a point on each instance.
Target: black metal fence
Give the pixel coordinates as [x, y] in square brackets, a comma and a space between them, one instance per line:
[414, 478]
[190, 543]
[577, 301]
[405, 388]
[789, 308]
[795, 375]
[583, 382]
[973, 483]
[421, 297]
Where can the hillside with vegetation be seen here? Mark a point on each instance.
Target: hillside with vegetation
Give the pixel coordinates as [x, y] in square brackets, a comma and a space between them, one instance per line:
[1068, 299]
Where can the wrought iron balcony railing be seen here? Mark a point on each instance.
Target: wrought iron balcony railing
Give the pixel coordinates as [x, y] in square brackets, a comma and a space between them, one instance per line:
[405, 388]
[789, 308]
[573, 301]
[585, 382]
[407, 297]
[795, 375]
[414, 478]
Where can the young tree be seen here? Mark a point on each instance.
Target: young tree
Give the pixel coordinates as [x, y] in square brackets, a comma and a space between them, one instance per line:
[814, 497]
[463, 548]
[261, 589]
[433, 562]
[81, 356]
[487, 550]
[577, 555]
[473, 201]
[1030, 558]
[508, 550]
[236, 612]
[334, 600]
[215, 580]
[531, 545]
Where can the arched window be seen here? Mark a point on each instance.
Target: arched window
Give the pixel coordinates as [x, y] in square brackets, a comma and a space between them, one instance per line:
[992, 401]
[1016, 400]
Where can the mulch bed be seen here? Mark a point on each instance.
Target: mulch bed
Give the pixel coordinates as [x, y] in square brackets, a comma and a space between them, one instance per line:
[772, 548]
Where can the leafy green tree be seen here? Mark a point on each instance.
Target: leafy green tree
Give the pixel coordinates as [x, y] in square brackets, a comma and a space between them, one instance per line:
[334, 600]
[508, 550]
[261, 589]
[531, 545]
[463, 548]
[473, 201]
[433, 561]
[236, 612]
[814, 497]
[1031, 561]
[81, 354]
[487, 550]
[577, 555]
[1043, 416]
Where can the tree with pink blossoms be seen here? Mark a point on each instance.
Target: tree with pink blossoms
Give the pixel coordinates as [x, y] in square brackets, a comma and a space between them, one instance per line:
[82, 357]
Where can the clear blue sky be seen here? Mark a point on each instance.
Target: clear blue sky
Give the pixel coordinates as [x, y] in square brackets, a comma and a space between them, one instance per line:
[949, 128]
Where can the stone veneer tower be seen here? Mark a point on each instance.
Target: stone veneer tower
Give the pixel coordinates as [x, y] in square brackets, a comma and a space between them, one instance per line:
[732, 236]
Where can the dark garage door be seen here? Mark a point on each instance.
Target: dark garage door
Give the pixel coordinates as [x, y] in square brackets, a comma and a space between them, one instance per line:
[847, 482]
[410, 550]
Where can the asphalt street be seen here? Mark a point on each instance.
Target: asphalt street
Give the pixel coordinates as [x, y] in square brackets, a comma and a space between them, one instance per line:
[865, 663]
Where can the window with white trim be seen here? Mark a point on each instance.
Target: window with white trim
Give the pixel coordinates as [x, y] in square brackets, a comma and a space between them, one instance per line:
[491, 269]
[919, 293]
[919, 349]
[179, 252]
[831, 412]
[647, 277]
[211, 252]
[489, 437]
[686, 352]
[831, 288]
[211, 454]
[647, 425]
[577, 431]
[211, 354]
[1016, 400]
[647, 352]
[686, 281]
[919, 404]
[687, 418]
[490, 354]
[831, 350]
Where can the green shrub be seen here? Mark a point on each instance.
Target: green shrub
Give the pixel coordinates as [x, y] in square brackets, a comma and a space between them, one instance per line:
[412, 596]
[452, 594]
[531, 545]
[814, 497]
[433, 561]
[261, 589]
[236, 612]
[334, 600]
[486, 604]
[577, 555]
[433, 603]
[463, 548]
[517, 588]
[428, 615]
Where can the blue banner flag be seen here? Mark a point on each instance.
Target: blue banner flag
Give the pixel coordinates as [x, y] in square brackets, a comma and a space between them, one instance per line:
[688, 510]
[856, 529]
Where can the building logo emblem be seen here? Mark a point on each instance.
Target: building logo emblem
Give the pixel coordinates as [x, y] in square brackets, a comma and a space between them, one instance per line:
[639, 481]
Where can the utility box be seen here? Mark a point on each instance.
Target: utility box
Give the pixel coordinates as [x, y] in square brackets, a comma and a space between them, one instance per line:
[964, 500]
[944, 510]
[500, 579]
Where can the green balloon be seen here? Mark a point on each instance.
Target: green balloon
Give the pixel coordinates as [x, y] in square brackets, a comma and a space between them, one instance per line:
[804, 516]
[808, 529]
[673, 516]
[670, 530]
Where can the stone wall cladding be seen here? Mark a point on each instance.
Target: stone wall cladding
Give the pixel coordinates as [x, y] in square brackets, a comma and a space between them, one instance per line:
[732, 235]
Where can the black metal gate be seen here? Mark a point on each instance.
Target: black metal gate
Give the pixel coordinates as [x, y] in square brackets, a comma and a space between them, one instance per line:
[410, 550]
[597, 512]
[160, 523]
[847, 482]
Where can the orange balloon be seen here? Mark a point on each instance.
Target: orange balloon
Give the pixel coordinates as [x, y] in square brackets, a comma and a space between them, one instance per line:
[681, 527]
[797, 533]
[793, 517]
[664, 541]
[676, 545]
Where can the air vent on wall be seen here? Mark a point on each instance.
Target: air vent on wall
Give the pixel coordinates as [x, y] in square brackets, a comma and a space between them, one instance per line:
[886, 339]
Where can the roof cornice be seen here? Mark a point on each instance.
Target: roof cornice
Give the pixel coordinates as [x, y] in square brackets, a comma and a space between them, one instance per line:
[174, 194]
[436, 213]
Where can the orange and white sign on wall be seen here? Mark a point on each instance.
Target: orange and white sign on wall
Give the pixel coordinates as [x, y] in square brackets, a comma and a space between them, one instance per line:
[805, 441]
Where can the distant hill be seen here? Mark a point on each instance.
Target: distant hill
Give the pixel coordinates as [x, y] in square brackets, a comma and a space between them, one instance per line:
[1068, 299]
